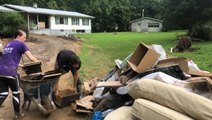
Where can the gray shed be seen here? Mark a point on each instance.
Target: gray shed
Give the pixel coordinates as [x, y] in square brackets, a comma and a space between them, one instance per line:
[146, 24]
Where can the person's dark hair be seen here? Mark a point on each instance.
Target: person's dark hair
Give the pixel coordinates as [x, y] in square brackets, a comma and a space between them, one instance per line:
[76, 60]
[18, 33]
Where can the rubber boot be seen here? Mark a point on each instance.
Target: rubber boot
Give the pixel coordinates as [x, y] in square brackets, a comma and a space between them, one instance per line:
[18, 116]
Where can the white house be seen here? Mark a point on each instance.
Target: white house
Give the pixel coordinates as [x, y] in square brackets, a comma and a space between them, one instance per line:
[146, 24]
[53, 22]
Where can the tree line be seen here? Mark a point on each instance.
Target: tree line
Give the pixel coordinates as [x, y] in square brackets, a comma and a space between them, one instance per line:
[176, 14]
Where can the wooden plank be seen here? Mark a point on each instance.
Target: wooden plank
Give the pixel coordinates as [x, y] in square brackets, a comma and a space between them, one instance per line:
[41, 25]
[110, 84]
[83, 111]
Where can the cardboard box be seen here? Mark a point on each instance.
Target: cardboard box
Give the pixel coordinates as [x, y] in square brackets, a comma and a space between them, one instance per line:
[143, 58]
[66, 97]
[32, 67]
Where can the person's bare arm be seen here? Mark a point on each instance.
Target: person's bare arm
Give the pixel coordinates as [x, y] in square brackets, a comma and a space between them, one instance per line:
[76, 78]
[55, 88]
[30, 56]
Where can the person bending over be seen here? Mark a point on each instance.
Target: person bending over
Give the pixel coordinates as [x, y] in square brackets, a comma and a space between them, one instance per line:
[66, 61]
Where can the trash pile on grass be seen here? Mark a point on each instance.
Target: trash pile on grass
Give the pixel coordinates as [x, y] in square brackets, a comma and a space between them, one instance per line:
[149, 85]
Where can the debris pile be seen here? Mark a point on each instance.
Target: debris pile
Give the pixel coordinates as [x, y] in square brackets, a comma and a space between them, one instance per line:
[70, 37]
[184, 44]
[148, 79]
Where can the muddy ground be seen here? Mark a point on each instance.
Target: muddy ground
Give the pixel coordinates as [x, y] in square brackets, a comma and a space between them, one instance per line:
[45, 48]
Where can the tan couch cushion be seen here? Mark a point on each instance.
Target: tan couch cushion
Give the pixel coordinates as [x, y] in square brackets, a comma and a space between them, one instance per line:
[173, 97]
[147, 110]
[122, 113]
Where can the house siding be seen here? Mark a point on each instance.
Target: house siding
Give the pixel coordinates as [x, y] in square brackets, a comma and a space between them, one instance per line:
[55, 29]
[42, 21]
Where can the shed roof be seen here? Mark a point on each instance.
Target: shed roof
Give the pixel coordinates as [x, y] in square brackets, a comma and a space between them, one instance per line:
[144, 18]
[46, 11]
[4, 9]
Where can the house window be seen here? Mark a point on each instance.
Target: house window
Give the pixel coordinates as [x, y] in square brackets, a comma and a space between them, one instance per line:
[153, 25]
[85, 22]
[61, 20]
[75, 21]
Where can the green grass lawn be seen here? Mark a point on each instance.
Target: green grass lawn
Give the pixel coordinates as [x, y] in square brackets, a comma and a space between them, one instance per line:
[99, 50]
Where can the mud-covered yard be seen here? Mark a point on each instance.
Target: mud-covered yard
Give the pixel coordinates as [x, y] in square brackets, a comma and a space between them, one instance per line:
[45, 48]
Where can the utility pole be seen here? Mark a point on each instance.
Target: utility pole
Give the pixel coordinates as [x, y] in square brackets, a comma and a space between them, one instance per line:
[142, 13]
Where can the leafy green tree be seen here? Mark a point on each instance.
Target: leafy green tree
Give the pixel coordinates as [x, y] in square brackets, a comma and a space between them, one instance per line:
[52, 4]
[176, 14]
[10, 23]
[121, 14]
[108, 13]
[16, 2]
[183, 14]
[40, 3]
[150, 8]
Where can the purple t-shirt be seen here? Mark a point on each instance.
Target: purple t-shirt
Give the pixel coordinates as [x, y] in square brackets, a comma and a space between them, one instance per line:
[11, 57]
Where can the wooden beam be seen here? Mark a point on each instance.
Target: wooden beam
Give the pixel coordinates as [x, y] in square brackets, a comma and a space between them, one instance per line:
[110, 84]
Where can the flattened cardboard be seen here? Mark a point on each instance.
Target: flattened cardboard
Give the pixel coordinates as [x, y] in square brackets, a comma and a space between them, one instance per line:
[183, 63]
[143, 58]
[80, 109]
[200, 73]
[83, 105]
[199, 79]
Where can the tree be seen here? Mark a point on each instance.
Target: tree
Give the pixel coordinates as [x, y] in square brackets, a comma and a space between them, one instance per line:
[10, 23]
[150, 8]
[17, 2]
[40, 3]
[52, 4]
[176, 14]
[107, 13]
[183, 14]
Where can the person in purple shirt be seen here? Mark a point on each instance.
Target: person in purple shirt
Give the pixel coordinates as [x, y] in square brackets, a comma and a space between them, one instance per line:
[9, 63]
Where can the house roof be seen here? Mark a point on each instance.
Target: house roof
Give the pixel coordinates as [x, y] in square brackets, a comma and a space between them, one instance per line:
[46, 11]
[4, 9]
[144, 18]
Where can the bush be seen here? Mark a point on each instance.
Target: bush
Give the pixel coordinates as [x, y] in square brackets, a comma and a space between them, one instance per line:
[203, 32]
[10, 22]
